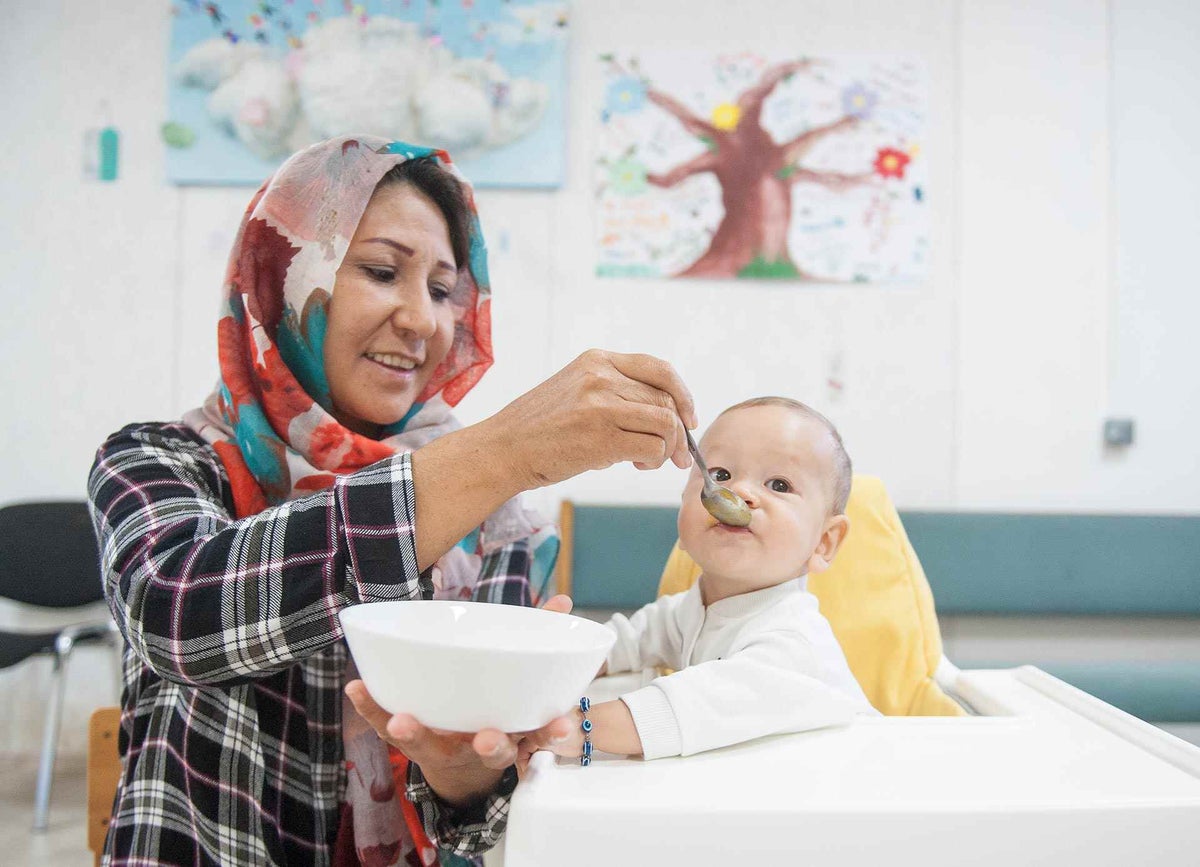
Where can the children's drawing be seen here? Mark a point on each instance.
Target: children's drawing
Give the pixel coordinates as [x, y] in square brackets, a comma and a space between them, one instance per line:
[747, 166]
[251, 82]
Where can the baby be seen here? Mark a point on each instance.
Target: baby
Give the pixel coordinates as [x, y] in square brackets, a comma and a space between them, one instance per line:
[752, 654]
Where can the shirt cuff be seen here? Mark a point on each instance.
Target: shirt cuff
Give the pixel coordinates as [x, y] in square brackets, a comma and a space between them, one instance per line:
[467, 830]
[655, 720]
[378, 529]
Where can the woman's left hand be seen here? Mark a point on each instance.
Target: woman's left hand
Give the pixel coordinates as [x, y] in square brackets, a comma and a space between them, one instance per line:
[460, 767]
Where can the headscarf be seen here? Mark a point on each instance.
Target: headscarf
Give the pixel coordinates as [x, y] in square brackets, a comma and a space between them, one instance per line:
[270, 418]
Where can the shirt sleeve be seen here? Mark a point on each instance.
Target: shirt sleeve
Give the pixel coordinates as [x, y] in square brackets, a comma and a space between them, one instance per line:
[205, 599]
[468, 830]
[767, 687]
[504, 576]
[650, 637]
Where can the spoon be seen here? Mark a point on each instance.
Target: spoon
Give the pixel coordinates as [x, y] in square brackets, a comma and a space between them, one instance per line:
[722, 503]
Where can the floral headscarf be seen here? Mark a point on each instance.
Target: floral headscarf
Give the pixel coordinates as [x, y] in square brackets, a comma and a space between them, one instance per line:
[270, 418]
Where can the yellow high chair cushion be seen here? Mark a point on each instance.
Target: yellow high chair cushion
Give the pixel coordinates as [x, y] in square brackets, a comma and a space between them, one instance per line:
[877, 600]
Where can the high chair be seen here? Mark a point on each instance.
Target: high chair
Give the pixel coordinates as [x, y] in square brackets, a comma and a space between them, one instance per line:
[987, 767]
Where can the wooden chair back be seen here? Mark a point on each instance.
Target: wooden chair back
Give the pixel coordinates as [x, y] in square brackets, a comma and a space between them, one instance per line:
[103, 774]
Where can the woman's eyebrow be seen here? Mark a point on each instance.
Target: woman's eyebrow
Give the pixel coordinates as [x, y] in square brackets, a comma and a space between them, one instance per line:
[408, 251]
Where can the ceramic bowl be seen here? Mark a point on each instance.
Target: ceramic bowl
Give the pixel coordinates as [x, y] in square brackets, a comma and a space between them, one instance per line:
[467, 666]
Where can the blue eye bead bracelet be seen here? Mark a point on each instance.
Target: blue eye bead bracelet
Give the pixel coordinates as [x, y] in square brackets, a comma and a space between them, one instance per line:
[585, 705]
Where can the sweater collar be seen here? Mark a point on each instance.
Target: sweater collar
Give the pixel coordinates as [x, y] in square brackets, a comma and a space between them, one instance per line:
[744, 604]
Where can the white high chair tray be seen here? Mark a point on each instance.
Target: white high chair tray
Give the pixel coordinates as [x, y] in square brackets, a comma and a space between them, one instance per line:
[1048, 775]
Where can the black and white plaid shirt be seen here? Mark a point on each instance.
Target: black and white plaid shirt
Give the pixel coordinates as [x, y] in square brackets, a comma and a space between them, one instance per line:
[234, 663]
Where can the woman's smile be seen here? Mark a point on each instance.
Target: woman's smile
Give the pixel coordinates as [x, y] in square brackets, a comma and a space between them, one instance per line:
[393, 362]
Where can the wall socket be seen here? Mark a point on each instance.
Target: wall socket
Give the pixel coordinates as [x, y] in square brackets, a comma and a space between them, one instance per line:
[1118, 432]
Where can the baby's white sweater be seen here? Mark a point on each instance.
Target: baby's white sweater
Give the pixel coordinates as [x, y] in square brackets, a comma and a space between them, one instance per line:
[756, 664]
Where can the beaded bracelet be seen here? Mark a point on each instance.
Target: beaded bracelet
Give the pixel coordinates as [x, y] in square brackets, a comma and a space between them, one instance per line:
[585, 705]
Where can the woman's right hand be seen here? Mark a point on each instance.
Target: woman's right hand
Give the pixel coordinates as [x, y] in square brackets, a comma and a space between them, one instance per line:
[601, 409]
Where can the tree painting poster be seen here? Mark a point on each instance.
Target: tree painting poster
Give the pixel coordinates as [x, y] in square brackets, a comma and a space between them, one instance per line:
[748, 166]
[251, 82]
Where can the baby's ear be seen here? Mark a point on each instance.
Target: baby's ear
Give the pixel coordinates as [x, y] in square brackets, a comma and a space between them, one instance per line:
[832, 536]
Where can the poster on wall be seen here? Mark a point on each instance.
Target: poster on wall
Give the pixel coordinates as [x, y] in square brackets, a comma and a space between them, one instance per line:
[745, 165]
[251, 82]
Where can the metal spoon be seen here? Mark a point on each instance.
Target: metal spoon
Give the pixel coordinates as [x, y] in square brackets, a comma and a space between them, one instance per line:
[722, 503]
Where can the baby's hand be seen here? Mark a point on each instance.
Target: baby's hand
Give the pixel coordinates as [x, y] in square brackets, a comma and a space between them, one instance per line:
[612, 731]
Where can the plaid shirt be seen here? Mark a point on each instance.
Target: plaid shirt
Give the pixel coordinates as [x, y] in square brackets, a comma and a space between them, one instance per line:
[234, 663]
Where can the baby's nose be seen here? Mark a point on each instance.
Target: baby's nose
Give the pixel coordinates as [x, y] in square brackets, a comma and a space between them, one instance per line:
[744, 490]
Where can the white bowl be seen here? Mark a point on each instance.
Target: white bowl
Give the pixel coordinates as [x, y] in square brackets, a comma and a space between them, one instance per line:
[467, 666]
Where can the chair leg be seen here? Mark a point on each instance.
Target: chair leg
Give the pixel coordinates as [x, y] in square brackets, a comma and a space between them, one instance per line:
[41, 809]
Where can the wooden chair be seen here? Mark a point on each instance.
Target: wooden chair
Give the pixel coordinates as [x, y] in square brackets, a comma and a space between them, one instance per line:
[103, 774]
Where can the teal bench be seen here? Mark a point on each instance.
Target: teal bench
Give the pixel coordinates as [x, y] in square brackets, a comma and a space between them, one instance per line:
[989, 563]
[996, 563]
[614, 554]
[977, 563]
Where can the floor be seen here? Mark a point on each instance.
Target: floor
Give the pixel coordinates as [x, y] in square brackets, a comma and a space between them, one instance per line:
[64, 843]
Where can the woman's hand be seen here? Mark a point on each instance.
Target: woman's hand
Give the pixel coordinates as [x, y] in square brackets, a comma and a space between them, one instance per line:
[601, 409]
[569, 747]
[460, 767]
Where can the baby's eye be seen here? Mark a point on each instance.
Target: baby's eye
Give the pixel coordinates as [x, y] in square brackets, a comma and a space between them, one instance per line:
[780, 486]
[719, 474]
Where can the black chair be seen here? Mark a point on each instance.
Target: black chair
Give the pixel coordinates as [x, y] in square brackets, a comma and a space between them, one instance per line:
[49, 559]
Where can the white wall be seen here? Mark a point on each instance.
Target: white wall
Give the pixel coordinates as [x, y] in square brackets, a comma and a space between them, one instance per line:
[1033, 255]
[1155, 213]
[1062, 286]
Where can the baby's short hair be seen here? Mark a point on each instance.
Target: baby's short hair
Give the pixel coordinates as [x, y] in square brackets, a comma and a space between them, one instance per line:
[843, 470]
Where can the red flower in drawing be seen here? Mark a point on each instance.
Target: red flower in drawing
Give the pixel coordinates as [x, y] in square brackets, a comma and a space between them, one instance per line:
[891, 163]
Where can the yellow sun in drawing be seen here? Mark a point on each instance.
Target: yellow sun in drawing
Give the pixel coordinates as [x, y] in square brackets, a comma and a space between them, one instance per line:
[725, 116]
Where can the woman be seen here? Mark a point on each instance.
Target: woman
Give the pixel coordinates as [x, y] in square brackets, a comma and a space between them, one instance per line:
[326, 471]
